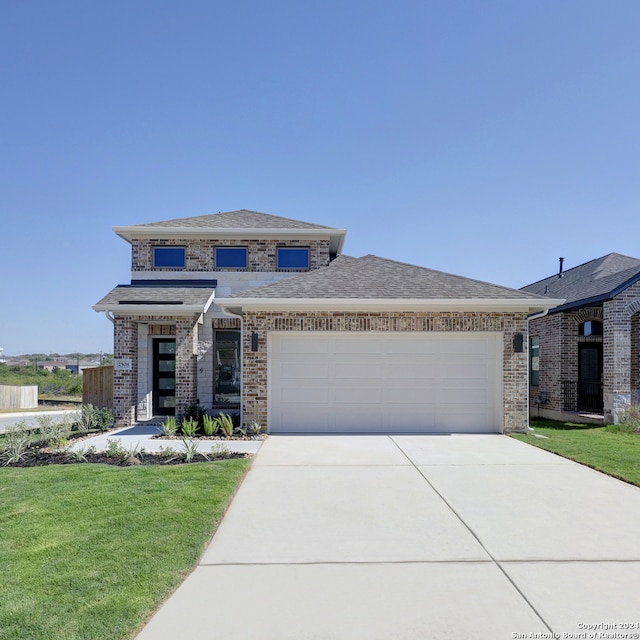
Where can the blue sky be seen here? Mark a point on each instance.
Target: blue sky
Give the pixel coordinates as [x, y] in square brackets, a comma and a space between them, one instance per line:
[485, 138]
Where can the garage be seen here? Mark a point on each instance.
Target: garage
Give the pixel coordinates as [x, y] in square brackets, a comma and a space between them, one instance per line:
[348, 382]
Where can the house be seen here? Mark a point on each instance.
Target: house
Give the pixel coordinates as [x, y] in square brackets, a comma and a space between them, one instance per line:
[264, 317]
[585, 352]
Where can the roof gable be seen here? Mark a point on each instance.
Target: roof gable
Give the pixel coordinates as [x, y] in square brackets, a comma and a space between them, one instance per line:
[594, 281]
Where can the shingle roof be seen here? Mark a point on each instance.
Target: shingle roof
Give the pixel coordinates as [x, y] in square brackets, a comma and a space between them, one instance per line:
[375, 278]
[241, 219]
[591, 282]
[125, 297]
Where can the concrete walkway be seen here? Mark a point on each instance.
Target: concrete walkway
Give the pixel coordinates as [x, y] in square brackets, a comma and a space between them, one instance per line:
[412, 537]
[141, 436]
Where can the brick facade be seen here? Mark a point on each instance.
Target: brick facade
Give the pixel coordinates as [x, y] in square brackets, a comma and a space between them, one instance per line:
[131, 388]
[255, 369]
[559, 346]
[200, 253]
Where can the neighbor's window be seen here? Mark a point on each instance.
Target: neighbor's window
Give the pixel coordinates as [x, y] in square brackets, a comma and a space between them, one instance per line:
[534, 361]
[169, 257]
[231, 257]
[293, 258]
[590, 328]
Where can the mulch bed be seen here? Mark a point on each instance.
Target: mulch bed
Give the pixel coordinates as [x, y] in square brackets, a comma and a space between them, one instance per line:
[42, 458]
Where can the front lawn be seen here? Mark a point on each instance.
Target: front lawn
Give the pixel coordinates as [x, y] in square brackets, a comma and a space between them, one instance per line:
[90, 551]
[603, 448]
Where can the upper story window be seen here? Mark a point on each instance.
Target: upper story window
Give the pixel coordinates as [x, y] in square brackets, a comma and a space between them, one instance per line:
[231, 258]
[590, 328]
[173, 257]
[293, 258]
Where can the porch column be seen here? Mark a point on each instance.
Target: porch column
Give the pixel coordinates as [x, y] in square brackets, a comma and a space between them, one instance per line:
[616, 387]
[125, 371]
[186, 376]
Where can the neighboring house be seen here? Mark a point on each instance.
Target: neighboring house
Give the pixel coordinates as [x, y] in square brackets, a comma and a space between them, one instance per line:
[262, 316]
[585, 352]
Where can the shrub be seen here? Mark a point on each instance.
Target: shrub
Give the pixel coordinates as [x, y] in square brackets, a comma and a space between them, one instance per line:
[16, 442]
[189, 427]
[629, 421]
[195, 412]
[210, 425]
[190, 448]
[115, 449]
[226, 424]
[169, 426]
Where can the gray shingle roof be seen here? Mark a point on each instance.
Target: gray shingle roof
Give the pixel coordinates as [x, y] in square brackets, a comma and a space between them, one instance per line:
[124, 296]
[374, 278]
[242, 219]
[593, 281]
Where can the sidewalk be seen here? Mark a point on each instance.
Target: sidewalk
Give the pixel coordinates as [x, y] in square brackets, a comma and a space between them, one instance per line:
[140, 435]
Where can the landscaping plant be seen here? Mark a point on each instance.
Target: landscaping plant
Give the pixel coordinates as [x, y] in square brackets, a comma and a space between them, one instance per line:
[226, 424]
[210, 425]
[189, 427]
[169, 426]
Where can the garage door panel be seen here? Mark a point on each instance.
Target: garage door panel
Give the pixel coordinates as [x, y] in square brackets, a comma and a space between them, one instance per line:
[356, 371]
[346, 382]
[305, 395]
[303, 346]
[304, 371]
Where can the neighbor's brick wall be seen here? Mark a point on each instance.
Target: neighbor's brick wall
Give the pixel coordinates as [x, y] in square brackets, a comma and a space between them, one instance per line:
[559, 340]
[620, 371]
[515, 413]
[200, 253]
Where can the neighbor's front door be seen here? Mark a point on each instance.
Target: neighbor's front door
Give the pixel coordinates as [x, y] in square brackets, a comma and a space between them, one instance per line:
[164, 377]
[590, 377]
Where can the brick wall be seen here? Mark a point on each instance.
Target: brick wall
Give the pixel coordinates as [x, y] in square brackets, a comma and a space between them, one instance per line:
[515, 413]
[200, 253]
[130, 390]
[559, 341]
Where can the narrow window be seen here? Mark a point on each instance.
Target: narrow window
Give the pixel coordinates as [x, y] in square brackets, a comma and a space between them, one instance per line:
[227, 353]
[293, 258]
[168, 257]
[534, 361]
[231, 258]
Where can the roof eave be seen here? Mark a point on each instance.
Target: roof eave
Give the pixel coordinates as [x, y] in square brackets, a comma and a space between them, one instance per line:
[154, 309]
[522, 305]
[130, 233]
[150, 309]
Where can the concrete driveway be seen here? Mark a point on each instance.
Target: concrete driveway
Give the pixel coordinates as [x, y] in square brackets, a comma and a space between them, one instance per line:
[414, 537]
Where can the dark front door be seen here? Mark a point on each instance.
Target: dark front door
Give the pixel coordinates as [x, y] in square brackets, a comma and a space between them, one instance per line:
[590, 377]
[164, 377]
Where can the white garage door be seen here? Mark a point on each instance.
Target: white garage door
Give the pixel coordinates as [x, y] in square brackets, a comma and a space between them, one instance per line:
[355, 383]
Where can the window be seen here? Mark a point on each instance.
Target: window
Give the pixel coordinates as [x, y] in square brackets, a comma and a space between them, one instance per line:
[590, 328]
[226, 367]
[231, 257]
[169, 257]
[293, 258]
[534, 361]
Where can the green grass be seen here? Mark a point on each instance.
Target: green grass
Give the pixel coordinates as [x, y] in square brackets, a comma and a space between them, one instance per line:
[607, 449]
[90, 551]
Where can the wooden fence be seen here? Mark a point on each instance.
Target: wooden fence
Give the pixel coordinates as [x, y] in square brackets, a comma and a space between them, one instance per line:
[18, 396]
[97, 386]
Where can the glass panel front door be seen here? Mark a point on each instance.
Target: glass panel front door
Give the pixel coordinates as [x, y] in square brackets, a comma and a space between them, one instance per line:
[164, 377]
[590, 377]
